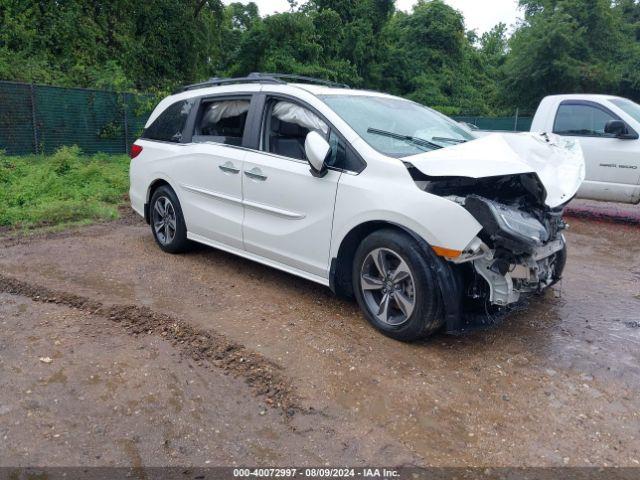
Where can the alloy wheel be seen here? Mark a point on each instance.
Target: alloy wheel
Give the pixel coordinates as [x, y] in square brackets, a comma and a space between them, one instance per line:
[164, 220]
[388, 287]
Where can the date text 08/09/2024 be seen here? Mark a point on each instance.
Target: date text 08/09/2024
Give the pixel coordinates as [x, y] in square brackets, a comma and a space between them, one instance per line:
[315, 473]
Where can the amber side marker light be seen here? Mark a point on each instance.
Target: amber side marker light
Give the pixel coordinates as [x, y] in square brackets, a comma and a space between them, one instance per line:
[446, 252]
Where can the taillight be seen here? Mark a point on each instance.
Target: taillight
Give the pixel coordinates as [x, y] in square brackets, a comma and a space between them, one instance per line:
[135, 150]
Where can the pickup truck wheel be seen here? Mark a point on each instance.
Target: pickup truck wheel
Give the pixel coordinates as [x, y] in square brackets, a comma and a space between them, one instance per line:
[396, 287]
[167, 222]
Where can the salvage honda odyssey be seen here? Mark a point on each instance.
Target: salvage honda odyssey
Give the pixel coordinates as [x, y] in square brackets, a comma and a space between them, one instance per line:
[372, 195]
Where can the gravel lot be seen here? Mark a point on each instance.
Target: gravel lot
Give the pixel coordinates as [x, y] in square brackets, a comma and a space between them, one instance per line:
[114, 353]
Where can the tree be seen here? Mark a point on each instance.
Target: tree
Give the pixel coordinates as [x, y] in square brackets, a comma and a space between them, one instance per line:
[564, 46]
[433, 61]
[307, 42]
[118, 43]
[427, 54]
[362, 41]
[628, 67]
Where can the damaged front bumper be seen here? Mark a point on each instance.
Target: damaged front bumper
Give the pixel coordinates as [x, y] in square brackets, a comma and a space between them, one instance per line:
[517, 252]
[532, 274]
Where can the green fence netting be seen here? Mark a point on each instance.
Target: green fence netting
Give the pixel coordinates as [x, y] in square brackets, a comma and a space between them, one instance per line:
[16, 120]
[508, 124]
[40, 119]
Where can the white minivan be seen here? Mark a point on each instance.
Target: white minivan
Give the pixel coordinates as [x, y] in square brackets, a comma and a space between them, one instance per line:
[372, 195]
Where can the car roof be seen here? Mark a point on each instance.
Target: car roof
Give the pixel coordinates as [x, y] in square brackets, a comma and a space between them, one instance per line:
[586, 96]
[254, 87]
[323, 90]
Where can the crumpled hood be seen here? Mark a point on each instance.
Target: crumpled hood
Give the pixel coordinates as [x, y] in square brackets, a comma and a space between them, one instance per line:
[558, 162]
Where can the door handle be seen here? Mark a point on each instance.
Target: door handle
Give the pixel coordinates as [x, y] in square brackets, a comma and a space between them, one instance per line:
[256, 174]
[229, 167]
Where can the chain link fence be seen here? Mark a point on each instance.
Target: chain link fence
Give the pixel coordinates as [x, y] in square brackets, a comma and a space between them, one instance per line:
[37, 119]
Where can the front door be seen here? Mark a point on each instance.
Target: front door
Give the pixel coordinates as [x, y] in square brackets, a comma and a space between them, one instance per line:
[612, 164]
[613, 168]
[288, 212]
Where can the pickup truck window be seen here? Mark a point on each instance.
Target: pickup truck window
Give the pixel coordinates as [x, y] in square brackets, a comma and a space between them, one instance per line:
[630, 108]
[581, 120]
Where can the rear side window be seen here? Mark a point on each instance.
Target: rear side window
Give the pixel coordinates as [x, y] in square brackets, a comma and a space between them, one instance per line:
[221, 121]
[168, 127]
[581, 120]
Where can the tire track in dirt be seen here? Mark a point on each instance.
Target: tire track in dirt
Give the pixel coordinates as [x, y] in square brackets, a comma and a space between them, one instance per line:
[263, 376]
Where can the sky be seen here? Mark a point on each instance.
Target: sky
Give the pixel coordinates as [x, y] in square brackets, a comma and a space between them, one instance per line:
[480, 15]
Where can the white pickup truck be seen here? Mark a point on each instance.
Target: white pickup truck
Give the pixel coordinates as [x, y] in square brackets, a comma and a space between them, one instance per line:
[607, 128]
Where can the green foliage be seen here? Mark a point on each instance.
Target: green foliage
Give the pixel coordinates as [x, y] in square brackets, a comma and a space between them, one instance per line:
[427, 54]
[572, 46]
[119, 44]
[296, 42]
[433, 61]
[64, 187]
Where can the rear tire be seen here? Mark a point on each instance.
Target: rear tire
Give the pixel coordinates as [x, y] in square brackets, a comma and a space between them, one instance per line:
[167, 221]
[396, 287]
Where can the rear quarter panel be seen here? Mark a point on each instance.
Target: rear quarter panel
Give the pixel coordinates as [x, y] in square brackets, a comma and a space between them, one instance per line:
[153, 163]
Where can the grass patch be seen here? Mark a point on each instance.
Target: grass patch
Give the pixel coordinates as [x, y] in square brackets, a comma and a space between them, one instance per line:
[66, 187]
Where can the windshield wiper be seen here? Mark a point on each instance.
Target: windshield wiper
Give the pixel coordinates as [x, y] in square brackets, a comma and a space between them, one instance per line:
[406, 138]
[446, 139]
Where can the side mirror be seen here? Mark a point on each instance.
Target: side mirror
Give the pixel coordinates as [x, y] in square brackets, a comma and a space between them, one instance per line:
[317, 150]
[617, 128]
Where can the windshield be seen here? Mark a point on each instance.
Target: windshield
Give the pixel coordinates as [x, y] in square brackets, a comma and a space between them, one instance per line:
[631, 108]
[397, 127]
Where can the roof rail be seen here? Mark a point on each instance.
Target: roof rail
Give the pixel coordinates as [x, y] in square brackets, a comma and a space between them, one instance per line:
[301, 78]
[214, 81]
[257, 77]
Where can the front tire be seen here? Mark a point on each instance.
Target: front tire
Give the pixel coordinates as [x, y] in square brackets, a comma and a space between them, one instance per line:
[395, 286]
[167, 222]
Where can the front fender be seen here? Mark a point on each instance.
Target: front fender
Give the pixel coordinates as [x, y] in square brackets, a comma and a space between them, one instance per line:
[438, 221]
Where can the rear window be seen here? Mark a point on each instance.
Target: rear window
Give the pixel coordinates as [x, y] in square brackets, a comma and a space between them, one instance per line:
[168, 127]
[222, 121]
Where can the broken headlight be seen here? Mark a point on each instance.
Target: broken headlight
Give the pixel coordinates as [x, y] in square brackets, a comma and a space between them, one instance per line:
[507, 227]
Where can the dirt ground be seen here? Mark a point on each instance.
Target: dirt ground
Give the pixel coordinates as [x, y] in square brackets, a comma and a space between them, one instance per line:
[113, 353]
[618, 212]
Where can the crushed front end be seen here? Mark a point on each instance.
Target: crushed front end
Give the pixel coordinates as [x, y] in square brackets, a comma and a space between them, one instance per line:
[520, 249]
[516, 187]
